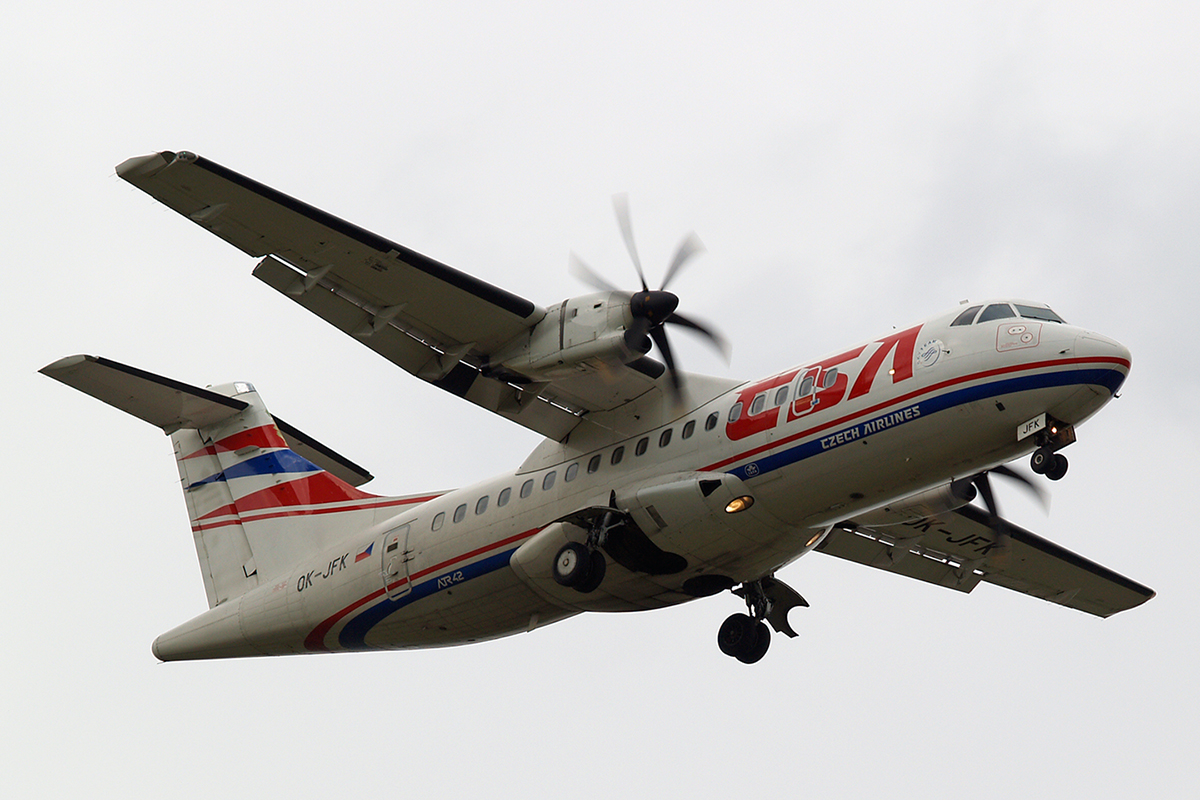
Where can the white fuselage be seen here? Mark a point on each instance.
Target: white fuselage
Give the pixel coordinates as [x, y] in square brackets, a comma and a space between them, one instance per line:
[812, 445]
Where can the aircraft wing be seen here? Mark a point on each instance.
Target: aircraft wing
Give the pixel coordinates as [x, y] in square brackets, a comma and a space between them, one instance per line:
[428, 318]
[958, 550]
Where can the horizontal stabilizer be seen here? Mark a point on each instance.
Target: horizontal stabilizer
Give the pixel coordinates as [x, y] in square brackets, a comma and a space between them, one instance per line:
[163, 402]
[332, 462]
[173, 406]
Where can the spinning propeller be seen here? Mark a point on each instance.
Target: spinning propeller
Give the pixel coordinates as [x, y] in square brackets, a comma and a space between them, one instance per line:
[652, 308]
[998, 526]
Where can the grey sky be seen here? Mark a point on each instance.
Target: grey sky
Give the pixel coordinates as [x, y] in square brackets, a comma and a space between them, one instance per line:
[849, 167]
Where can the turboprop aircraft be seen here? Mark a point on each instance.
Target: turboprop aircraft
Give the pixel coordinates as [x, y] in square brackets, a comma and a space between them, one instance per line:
[651, 488]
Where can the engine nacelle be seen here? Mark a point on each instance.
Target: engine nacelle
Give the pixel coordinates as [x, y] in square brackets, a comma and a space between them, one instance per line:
[921, 505]
[580, 335]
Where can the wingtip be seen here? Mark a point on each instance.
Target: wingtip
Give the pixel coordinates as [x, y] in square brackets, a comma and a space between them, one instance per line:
[146, 166]
[64, 364]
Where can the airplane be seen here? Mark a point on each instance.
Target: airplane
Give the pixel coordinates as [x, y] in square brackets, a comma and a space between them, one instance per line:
[652, 487]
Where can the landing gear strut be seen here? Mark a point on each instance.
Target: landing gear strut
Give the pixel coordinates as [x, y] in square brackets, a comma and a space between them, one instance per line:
[746, 636]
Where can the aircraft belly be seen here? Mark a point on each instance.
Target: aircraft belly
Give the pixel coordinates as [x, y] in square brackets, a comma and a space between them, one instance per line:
[487, 607]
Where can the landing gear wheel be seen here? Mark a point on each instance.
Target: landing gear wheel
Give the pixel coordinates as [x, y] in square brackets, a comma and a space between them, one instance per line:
[572, 565]
[1057, 468]
[734, 634]
[596, 570]
[1041, 460]
[756, 645]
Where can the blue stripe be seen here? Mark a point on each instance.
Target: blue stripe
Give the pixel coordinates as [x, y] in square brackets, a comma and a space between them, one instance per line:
[277, 462]
[1110, 379]
[353, 636]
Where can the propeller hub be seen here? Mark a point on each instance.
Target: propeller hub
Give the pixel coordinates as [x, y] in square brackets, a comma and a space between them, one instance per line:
[653, 306]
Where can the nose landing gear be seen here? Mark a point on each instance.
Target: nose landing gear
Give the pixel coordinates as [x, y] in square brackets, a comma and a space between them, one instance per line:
[1046, 460]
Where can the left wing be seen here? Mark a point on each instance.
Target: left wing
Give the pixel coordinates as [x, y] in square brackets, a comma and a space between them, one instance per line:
[440, 324]
[958, 549]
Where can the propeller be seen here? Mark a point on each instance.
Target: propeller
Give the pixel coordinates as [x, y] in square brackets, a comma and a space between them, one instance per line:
[652, 309]
[984, 485]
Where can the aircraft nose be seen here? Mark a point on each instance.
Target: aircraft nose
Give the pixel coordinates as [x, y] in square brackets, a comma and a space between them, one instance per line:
[1094, 345]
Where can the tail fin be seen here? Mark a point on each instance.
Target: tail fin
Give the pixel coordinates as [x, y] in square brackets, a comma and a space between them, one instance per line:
[260, 494]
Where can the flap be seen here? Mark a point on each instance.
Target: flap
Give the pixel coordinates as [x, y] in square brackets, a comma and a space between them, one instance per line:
[958, 550]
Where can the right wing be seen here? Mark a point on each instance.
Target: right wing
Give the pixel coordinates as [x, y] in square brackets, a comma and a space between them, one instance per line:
[958, 550]
[434, 321]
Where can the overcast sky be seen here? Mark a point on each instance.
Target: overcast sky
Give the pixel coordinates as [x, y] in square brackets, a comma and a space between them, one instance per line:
[850, 167]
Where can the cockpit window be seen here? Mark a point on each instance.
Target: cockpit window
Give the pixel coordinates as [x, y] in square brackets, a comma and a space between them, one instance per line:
[966, 317]
[996, 311]
[1033, 312]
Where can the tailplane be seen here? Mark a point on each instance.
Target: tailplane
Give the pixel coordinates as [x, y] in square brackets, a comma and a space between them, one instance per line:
[261, 495]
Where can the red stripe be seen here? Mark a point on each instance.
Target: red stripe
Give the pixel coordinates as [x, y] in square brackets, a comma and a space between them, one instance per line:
[264, 436]
[315, 489]
[385, 502]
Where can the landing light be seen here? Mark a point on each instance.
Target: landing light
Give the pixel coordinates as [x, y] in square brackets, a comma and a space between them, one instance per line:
[813, 540]
[739, 504]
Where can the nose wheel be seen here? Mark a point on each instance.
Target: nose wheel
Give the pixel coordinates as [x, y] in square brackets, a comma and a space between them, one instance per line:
[1045, 461]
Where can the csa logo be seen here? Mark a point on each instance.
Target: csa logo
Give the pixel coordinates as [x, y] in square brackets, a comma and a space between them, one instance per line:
[751, 469]
[929, 353]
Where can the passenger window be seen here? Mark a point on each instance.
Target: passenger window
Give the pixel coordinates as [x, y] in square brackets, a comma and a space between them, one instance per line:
[665, 438]
[594, 464]
[439, 520]
[481, 505]
[460, 513]
[781, 396]
[966, 317]
[688, 429]
[996, 311]
[711, 422]
[735, 413]
[526, 488]
[757, 406]
[830, 378]
[641, 446]
[572, 471]
[504, 496]
[617, 455]
[548, 481]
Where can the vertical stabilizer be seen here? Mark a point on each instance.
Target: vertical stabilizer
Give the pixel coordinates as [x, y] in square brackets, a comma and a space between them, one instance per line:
[256, 505]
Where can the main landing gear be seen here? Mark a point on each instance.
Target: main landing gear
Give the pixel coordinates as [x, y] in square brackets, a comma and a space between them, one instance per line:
[746, 636]
[582, 566]
[579, 568]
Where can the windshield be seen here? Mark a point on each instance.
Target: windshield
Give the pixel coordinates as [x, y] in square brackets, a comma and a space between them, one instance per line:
[1033, 312]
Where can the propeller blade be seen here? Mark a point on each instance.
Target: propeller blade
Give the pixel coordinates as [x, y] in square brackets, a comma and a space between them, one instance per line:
[717, 339]
[664, 347]
[994, 521]
[621, 205]
[690, 246]
[1041, 494]
[589, 276]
